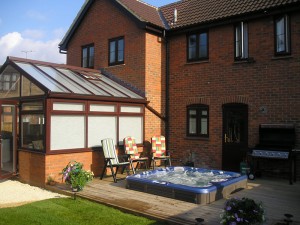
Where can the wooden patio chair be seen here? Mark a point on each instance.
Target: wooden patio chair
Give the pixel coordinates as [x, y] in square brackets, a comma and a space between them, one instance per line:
[111, 159]
[159, 152]
[134, 156]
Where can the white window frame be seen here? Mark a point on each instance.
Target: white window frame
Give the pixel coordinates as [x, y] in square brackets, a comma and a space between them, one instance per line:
[241, 45]
[285, 47]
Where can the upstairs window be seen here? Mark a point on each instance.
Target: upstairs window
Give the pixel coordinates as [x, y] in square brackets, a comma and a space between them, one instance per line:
[197, 121]
[116, 51]
[88, 52]
[241, 41]
[282, 35]
[197, 46]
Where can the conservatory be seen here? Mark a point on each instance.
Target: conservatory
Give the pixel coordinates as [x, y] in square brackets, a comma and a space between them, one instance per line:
[53, 113]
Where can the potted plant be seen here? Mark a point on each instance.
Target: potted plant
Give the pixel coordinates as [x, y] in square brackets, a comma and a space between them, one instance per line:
[76, 176]
[243, 211]
[50, 181]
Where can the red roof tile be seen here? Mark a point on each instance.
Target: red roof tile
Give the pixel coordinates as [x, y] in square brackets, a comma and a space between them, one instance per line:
[191, 12]
[142, 11]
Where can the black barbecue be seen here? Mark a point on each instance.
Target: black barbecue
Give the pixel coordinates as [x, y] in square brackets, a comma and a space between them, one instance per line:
[276, 141]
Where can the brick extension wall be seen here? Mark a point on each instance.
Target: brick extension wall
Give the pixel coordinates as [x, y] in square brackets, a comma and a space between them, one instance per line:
[269, 81]
[31, 168]
[35, 168]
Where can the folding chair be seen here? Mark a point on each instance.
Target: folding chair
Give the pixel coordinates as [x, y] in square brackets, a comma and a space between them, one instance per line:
[159, 152]
[133, 154]
[111, 159]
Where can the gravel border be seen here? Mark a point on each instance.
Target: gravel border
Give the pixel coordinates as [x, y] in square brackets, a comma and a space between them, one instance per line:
[14, 193]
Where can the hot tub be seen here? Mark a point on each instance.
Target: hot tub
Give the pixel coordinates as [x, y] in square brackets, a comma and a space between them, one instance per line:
[200, 186]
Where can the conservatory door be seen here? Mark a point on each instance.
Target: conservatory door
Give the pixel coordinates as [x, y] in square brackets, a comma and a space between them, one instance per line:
[8, 138]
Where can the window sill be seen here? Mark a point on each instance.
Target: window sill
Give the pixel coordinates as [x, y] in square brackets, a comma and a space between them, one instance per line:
[197, 138]
[242, 61]
[117, 65]
[197, 62]
[41, 152]
[282, 57]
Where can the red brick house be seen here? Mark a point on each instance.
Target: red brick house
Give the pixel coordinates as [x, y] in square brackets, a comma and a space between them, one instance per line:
[204, 66]
[211, 71]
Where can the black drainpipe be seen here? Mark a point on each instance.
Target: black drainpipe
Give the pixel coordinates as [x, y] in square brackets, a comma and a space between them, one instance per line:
[167, 88]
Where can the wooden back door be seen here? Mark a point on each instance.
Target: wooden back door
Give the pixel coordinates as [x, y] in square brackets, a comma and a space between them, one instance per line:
[235, 135]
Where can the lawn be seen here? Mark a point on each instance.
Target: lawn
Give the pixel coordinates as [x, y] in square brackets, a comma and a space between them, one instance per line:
[67, 211]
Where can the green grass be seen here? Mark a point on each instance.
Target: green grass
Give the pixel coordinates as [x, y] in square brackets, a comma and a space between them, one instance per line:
[66, 211]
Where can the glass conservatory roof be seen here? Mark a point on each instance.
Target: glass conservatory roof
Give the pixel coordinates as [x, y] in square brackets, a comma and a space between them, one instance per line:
[65, 79]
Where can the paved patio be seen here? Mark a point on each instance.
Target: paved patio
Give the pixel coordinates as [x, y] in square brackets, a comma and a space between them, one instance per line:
[278, 198]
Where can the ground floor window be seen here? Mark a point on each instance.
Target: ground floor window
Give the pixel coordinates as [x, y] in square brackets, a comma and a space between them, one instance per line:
[33, 131]
[100, 127]
[67, 132]
[83, 124]
[131, 126]
[197, 120]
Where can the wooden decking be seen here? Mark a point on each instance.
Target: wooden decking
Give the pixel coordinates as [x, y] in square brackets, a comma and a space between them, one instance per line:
[278, 198]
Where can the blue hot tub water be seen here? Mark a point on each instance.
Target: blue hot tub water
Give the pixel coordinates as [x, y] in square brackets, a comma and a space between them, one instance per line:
[186, 180]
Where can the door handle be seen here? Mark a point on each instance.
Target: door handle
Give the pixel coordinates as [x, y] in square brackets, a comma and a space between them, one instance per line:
[225, 138]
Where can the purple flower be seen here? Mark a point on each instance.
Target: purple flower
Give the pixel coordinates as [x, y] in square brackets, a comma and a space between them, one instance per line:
[233, 223]
[228, 208]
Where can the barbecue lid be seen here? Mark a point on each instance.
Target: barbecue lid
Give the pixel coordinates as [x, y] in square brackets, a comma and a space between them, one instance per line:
[283, 135]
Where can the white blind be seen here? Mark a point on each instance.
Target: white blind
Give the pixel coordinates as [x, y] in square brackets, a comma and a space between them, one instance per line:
[131, 126]
[68, 106]
[67, 132]
[100, 127]
[131, 109]
[102, 108]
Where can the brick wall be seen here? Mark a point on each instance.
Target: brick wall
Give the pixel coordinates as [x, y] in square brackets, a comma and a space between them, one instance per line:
[102, 22]
[155, 84]
[32, 168]
[269, 81]
[92, 161]
[36, 168]
[144, 61]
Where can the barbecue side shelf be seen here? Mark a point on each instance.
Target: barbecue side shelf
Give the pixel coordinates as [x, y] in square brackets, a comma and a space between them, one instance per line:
[261, 165]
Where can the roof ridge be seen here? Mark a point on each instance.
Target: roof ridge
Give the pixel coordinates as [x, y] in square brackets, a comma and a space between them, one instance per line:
[204, 13]
[139, 9]
[163, 19]
[130, 10]
[59, 65]
[145, 3]
[172, 3]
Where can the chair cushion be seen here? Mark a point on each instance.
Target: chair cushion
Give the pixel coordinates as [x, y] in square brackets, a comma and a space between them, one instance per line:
[158, 146]
[131, 147]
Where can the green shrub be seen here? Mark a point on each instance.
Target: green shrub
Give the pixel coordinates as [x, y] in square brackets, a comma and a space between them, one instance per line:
[76, 176]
